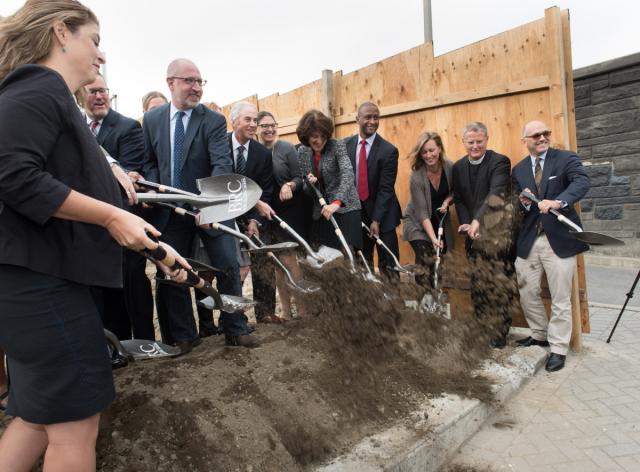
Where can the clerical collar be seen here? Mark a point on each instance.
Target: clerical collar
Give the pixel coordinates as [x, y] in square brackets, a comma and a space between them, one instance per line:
[477, 162]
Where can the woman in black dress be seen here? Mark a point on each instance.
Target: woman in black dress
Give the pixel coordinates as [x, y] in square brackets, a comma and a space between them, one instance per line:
[60, 231]
[288, 205]
[431, 193]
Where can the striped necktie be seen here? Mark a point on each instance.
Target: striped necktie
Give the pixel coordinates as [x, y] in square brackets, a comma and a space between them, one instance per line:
[178, 150]
[241, 161]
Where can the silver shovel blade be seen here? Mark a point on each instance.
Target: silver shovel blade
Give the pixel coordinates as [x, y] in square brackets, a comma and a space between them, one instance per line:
[239, 193]
[286, 246]
[596, 239]
[229, 303]
[327, 254]
[145, 349]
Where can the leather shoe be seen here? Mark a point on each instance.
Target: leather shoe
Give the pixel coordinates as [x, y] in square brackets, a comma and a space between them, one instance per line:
[555, 362]
[529, 341]
[187, 346]
[206, 331]
[499, 343]
[270, 319]
[245, 340]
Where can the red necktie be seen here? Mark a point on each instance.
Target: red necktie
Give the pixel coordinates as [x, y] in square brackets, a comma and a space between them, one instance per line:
[93, 126]
[363, 179]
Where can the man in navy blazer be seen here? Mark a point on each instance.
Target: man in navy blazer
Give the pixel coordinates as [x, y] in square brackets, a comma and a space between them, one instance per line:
[185, 141]
[481, 188]
[559, 180]
[129, 309]
[376, 186]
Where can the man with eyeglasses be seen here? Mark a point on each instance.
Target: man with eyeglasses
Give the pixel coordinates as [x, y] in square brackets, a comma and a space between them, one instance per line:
[185, 141]
[481, 187]
[128, 310]
[559, 181]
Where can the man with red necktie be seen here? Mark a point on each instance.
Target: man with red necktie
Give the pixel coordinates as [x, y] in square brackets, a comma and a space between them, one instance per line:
[375, 166]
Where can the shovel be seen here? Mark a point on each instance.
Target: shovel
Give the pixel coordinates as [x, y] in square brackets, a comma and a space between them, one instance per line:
[136, 349]
[409, 269]
[317, 260]
[429, 303]
[589, 237]
[301, 285]
[221, 198]
[337, 229]
[368, 275]
[225, 303]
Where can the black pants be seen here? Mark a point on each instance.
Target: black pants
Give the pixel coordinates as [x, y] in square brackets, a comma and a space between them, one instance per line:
[385, 261]
[492, 290]
[425, 257]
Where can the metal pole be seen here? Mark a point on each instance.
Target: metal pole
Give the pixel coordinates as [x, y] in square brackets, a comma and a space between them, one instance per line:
[428, 25]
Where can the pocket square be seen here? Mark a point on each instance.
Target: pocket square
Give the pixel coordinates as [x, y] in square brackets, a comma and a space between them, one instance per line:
[551, 177]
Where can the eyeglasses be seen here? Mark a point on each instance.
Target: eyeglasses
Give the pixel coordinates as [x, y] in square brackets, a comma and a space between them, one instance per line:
[190, 81]
[545, 133]
[101, 91]
[269, 125]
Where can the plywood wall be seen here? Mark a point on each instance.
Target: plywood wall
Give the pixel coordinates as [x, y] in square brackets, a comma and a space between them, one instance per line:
[504, 81]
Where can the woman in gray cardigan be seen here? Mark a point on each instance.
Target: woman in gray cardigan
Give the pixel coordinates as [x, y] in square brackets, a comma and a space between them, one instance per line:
[431, 193]
[325, 163]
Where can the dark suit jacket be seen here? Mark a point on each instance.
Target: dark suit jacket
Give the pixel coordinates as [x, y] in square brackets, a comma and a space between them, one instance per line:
[382, 169]
[493, 179]
[206, 149]
[564, 179]
[260, 170]
[122, 138]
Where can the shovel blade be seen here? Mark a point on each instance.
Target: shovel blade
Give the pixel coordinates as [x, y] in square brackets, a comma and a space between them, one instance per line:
[239, 194]
[327, 254]
[145, 349]
[278, 247]
[597, 239]
[229, 303]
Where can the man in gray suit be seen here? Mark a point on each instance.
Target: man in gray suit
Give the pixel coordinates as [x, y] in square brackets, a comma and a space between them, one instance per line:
[185, 141]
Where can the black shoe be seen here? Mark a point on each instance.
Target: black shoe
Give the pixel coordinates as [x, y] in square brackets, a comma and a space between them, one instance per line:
[555, 362]
[244, 340]
[206, 331]
[529, 341]
[499, 343]
[118, 361]
[185, 347]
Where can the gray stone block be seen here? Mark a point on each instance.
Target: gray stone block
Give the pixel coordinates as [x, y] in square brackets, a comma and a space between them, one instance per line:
[614, 123]
[627, 164]
[619, 148]
[620, 180]
[613, 212]
[583, 102]
[596, 82]
[615, 138]
[581, 91]
[586, 206]
[629, 103]
[599, 174]
[611, 94]
[609, 191]
[625, 76]
[604, 225]
[584, 152]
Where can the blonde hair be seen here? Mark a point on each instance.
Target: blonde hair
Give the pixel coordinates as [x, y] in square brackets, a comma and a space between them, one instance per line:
[150, 96]
[414, 155]
[26, 37]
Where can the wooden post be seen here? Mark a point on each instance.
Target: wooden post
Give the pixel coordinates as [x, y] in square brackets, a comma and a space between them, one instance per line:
[559, 97]
[327, 93]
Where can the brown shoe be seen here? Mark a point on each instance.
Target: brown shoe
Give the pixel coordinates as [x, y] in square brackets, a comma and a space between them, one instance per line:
[270, 319]
[185, 347]
[245, 340]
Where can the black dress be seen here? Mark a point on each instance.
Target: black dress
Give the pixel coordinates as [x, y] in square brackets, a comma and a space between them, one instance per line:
[50, 329]
[286, 168]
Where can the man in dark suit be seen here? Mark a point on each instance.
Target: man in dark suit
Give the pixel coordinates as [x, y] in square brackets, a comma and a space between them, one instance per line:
[130, 308]
[481, 187]
[375, 166]
[253, 160]
[185, 141]
[558, 179]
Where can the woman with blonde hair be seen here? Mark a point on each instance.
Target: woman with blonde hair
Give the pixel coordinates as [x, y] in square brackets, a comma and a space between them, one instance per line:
[431, 193]
[60, 229]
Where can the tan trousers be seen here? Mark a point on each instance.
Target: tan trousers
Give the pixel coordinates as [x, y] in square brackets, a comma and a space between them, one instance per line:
[559, 271]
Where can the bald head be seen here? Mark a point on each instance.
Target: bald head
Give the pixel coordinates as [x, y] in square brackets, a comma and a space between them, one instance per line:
[177, 65]
[368, 119]
[185, 83]
[536, 137]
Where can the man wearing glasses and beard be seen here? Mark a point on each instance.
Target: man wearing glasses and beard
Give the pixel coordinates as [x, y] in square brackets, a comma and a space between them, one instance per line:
[558, 179]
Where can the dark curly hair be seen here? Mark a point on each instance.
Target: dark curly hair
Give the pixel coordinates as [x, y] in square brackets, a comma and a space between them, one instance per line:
[312, 121]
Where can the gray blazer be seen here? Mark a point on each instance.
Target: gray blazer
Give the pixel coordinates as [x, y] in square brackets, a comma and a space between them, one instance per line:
[419, 207]
[336, 176]
[286, 166]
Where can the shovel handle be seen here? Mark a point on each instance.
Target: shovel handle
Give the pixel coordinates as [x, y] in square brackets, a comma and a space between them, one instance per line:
[561, 218]
[162, 188]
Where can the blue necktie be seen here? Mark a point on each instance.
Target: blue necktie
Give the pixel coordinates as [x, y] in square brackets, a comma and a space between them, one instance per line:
[241, 161]
[178, 150]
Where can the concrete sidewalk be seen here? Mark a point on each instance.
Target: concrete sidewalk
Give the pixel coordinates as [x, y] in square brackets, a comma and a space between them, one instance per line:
[585, 417]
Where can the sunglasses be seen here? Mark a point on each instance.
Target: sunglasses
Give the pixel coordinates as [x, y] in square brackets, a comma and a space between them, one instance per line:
[545, 133]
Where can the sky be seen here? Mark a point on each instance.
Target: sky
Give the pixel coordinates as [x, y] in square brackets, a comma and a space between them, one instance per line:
[247, 47]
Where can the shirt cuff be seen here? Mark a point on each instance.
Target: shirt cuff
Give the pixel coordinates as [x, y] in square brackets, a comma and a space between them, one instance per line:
[337, 202]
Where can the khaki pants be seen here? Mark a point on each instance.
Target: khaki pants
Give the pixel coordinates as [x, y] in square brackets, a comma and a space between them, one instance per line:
[559, 271]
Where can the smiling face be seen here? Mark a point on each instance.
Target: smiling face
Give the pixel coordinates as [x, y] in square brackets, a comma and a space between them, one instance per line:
[368, 119]
[430, 154]
[244, 126]
[317, 141]
[97, 101]
[537, 138]
[267, 130]
[82, 51]
[475, 142]
[184, 95]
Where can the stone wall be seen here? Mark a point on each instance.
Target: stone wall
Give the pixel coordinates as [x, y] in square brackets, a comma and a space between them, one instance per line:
[607, 99]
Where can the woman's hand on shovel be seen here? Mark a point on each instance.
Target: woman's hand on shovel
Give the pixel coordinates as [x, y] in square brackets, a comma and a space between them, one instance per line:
[177, 275]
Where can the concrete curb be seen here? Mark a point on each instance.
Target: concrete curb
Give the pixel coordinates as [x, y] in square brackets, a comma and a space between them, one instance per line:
[433, 433]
